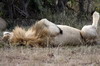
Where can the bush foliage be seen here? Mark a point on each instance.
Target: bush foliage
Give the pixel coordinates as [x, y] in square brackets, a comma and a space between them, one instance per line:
[59, 11]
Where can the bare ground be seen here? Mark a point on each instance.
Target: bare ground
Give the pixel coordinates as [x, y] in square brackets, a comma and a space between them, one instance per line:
[58, 56]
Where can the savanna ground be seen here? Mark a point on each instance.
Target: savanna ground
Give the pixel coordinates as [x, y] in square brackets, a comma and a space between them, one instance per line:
[56, 56]
[59, 56]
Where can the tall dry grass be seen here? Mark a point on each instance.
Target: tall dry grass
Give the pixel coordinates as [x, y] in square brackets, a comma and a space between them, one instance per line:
[58, 56]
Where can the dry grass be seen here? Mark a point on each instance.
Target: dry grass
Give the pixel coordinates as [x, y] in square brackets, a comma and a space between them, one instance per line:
[58, 56]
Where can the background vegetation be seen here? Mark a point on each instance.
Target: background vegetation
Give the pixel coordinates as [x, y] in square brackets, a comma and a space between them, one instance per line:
[70, 12]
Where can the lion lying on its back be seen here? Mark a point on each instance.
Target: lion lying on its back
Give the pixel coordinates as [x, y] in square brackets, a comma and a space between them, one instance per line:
[45, 33]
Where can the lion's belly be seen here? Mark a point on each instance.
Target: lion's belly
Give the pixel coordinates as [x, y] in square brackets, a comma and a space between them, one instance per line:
[70, 36]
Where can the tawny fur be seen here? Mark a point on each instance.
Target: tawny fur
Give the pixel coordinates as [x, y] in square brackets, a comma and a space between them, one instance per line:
[47, 26]
[17, 36]
[34, 36]
[70, 36]
[45, 33]
[37, 36]
[6, 36]
[89, 32]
